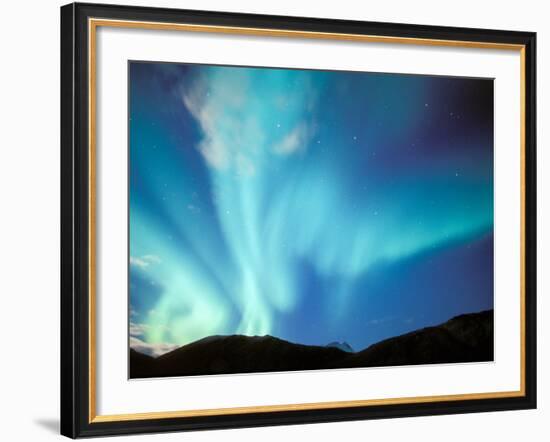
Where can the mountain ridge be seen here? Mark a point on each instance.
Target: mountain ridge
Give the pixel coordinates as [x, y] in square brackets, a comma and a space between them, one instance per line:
[463, 338]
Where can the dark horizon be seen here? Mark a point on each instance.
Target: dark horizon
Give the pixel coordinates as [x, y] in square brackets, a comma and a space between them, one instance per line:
[465, 338]
[146, 351]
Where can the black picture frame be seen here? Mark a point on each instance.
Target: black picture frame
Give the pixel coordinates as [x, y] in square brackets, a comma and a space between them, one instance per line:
[77, 420]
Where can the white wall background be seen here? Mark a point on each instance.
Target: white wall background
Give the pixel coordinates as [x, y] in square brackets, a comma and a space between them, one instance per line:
[29, 233]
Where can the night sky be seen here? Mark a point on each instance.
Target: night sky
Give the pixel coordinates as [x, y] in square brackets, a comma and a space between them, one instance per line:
[315, 206]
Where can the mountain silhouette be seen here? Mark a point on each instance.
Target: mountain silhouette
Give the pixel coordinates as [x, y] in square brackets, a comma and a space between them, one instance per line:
[464, 338]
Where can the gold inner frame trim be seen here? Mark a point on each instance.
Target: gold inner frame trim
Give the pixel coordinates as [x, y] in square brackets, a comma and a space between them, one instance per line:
[93, 24]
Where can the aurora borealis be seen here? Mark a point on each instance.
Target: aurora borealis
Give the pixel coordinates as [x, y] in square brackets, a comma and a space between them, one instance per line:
[315, 206]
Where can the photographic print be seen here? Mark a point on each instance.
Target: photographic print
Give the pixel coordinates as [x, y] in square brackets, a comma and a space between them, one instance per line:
[292, 219]
[271, 220]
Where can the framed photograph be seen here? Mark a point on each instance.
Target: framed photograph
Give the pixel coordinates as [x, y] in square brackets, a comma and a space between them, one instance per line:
[274, 220]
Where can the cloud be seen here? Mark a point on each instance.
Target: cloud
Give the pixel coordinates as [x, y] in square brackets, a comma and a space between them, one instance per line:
[294, 141]
[138, 329]
[138, 262]
[144, 261]
[221, 126]
[241, 111]
[154, 350]
[211, 147]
